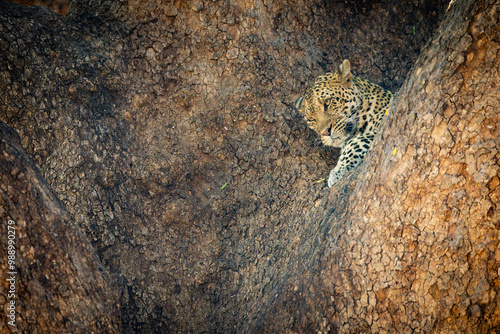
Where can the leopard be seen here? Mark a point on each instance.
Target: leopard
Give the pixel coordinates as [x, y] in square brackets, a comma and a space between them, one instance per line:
[346, 112]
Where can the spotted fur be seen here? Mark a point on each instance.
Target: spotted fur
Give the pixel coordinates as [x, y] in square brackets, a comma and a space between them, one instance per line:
[346, 112]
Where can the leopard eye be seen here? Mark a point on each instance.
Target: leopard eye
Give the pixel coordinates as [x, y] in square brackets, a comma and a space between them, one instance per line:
[326, 104]
[310, 120]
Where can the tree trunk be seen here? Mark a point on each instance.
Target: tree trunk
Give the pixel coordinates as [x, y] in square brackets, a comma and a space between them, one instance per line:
[59, 6]
[169, 133]
[52, 280]
[411, 243]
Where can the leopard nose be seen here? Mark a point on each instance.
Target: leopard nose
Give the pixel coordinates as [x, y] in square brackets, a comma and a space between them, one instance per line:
[327, 131]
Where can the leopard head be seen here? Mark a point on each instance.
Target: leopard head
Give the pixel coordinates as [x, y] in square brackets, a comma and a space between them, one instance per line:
[329, 106]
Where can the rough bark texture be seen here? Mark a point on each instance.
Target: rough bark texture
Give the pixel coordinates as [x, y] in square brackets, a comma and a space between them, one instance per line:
[59, 6]
[168, 131]
[414, 247]
[59, 282]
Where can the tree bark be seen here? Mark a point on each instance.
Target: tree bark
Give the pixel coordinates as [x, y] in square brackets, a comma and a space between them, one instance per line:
[411, 241]
[52, 280]
[169, 133]
[59, 6]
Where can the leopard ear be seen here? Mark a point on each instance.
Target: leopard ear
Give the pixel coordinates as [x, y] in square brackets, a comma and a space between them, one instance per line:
[345, 71]
[298, 104]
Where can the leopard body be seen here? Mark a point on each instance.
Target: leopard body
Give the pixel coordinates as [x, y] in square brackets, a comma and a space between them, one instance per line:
[346, 112]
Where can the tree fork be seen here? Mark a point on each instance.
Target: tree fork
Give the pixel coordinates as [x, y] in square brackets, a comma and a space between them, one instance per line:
[168, 132]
